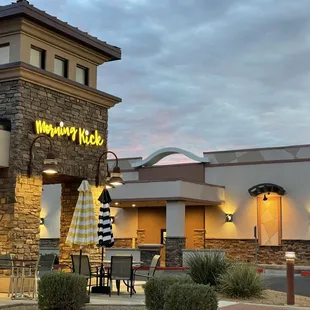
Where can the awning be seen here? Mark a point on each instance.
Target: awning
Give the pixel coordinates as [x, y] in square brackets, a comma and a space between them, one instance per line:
[157, 193]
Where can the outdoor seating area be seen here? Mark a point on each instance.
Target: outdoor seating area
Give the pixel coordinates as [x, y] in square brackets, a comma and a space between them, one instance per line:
[118, 270]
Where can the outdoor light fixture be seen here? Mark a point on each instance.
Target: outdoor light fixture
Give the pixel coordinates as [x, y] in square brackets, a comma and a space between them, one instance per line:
[49, 164]
[290, 255]
[115, 179]
[42, 221]
[112, 218]
[229, 218]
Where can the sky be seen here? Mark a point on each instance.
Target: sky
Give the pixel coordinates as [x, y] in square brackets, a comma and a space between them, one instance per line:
[201, 75]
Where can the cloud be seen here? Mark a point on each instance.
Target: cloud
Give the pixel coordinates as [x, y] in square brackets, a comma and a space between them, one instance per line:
[201, 74]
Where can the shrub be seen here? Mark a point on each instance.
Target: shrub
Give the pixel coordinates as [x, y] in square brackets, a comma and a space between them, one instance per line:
[156, 288]
[191, 297]
[206, 268]
[62, 291]
[241, 280]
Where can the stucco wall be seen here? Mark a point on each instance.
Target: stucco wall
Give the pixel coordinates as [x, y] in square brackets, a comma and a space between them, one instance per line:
[50, 211]
[293, 177]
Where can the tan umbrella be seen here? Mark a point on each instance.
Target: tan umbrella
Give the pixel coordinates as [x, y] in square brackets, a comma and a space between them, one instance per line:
[83, 228]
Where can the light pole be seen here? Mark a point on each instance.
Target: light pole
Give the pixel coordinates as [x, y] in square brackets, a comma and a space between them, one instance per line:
[290, 261]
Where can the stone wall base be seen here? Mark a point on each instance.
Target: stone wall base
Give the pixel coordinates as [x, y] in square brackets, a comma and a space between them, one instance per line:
[123, 243]
[174, 247]
[244, 250]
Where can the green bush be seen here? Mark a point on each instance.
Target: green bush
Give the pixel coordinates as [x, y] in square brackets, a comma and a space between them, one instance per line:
[191, 297]
[156, 288]
[62, 291]
[206, 268]
[241, 280]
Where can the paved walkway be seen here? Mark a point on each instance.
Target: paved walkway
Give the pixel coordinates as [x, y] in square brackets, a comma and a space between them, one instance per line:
[258, 307]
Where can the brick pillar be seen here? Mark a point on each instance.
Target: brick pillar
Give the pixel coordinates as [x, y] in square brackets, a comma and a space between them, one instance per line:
[140, 236]
[20, 215]
[174, 247]
[69, 197]
[199, 238]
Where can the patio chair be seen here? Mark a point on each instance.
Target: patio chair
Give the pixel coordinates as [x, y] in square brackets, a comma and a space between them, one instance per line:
[121, 270]
[6, 263]
[86, 269]
[151, 270]
[45, 265]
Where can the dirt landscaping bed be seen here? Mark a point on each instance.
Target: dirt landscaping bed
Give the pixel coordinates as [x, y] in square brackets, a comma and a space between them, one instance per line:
[272, 298]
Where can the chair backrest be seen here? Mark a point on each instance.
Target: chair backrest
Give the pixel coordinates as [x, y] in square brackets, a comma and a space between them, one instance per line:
[6, 261]
[46, 263]
[136, 254]
[153, 266]
[121, 267]
[85, 264]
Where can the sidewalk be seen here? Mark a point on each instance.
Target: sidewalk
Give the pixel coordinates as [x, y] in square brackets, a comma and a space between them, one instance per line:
[259, 307]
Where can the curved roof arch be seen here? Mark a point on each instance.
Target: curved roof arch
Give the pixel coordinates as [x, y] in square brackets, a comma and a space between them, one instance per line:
[155, 157]
[266, 188]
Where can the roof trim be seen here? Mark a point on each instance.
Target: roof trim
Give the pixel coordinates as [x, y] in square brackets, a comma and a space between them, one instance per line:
[23, 8]
[162, 153]
[259, 149]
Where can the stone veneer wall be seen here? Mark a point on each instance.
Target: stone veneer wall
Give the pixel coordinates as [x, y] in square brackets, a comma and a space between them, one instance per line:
[140, 236]
[123, 243]
[20, 198]
[49, 243]
[174, 247]
[244, 250]
[199, 238]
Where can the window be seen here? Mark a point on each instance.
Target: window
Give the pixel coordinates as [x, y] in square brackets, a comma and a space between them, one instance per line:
[82, 75]
[4, 54]
[61, 66]
[37, 57]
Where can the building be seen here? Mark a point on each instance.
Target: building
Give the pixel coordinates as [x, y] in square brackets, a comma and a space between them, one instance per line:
[216, 203]
[49, 103]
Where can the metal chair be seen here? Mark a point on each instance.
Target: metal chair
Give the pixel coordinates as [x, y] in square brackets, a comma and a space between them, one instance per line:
[86, 269]
[121, 270]
[152, 268]
[6, 263]
[45, 265]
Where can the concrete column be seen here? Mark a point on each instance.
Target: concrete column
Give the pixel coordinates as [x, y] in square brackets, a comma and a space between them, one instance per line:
[175, 239]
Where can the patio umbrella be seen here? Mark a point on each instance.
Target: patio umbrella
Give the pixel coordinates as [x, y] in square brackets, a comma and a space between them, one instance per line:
[83, 228]
[105, 232]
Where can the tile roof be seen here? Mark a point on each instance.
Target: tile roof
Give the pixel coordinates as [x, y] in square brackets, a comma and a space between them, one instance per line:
[23, 8]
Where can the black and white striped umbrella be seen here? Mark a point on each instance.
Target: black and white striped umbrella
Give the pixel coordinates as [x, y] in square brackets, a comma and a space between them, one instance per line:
[105, 232]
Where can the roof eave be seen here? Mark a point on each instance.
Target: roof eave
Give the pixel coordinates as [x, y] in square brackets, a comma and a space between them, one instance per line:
[32, 13]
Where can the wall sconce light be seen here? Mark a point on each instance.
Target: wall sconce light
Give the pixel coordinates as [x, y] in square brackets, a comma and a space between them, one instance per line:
[49, 164]
[112, 218]
[229, 218]
[42, 221]
[115, 179]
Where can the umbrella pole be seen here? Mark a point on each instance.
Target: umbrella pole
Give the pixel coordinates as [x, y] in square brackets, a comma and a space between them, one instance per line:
[101, 267]
[80, 262]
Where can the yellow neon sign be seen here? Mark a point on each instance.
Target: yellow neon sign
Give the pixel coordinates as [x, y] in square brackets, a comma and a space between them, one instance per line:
[79, 135]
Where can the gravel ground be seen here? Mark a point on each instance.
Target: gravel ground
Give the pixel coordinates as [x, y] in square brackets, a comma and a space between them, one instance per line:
[273, 298]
